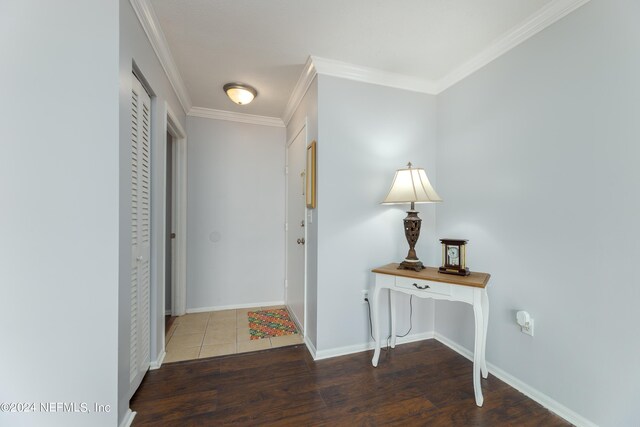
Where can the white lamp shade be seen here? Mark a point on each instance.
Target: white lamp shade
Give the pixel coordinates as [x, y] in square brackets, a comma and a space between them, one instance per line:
[239, 93]
[411, 185]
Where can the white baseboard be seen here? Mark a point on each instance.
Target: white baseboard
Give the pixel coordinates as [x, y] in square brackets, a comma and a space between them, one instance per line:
[536, 395]
[156, 364]
[234, 306]
[295, 319]
[350, 349]
[310, 347]
[128, 418]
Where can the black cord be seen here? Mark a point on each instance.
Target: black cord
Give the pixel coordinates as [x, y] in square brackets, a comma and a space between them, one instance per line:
[410, 318]
[389, 337]
[370, 324]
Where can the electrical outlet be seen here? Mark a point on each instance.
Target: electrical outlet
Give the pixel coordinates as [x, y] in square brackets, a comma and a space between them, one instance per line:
[365, 295]
[528, 328]
[525, 321]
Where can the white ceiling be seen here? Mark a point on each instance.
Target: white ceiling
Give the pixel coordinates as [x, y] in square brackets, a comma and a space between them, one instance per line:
[266, 43]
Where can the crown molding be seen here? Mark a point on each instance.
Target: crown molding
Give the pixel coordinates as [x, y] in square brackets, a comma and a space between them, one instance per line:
[359, 73]
[546, 16]
[300, 89]
[209, 113]
[149, 21]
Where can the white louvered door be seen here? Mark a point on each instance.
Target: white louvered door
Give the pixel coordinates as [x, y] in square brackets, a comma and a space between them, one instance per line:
[140, 233]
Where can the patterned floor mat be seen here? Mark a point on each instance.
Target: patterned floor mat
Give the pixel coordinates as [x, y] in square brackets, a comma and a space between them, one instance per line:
[270, 323]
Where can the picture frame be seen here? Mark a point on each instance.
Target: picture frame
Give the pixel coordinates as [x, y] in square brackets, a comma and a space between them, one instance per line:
[310, 175]
[454, 257]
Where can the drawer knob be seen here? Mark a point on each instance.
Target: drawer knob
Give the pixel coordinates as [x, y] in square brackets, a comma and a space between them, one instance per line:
[421, 287]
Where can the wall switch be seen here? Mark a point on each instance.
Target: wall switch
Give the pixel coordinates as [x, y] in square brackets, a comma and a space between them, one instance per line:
[365, 295]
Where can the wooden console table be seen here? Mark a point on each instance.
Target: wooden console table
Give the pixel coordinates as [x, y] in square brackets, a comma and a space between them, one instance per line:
[428, 283]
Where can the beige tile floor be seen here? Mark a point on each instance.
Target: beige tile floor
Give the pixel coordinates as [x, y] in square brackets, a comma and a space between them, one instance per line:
[217, 333]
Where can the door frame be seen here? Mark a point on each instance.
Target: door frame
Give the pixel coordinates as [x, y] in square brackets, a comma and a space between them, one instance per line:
[179, 213]
[303, 128]
[171, 124]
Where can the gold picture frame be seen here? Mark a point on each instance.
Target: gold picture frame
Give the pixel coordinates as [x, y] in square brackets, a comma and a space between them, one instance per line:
[310, 184]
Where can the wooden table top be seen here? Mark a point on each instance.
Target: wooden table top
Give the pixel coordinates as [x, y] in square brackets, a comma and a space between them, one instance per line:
[475, 279]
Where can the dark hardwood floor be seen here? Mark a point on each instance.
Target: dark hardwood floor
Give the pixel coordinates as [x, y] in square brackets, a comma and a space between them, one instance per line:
[423, 383]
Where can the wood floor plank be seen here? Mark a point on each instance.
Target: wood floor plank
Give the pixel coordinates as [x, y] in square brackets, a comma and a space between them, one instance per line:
[423, 383]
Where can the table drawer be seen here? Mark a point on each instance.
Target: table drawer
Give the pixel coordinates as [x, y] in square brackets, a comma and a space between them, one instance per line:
[423, 286]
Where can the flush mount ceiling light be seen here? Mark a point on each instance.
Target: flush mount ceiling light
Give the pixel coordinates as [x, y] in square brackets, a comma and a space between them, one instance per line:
[239, 93]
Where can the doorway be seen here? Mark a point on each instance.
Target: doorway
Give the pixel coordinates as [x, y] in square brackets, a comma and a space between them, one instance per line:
[175, 228]
[296, 228]
[169, 226]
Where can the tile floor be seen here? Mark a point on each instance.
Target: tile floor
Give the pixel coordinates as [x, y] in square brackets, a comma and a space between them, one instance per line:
[216, 333]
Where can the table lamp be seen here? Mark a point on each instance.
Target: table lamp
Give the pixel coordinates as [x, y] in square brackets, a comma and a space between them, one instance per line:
[411, 185]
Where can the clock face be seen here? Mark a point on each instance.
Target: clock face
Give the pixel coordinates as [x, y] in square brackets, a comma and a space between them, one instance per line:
[453, 255]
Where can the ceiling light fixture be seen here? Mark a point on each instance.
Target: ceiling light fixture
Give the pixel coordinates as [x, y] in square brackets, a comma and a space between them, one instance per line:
[239, 93]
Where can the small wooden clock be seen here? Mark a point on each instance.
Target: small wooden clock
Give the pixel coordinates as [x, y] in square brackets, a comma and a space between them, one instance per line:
[454, 257]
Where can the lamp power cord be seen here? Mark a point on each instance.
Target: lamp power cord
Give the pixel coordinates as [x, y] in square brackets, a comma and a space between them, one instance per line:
[389, 336]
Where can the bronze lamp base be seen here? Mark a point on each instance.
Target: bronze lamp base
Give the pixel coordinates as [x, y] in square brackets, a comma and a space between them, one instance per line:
[408, 265]
[412, 232]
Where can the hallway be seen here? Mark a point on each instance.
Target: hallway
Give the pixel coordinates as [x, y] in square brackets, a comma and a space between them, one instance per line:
[218, 333]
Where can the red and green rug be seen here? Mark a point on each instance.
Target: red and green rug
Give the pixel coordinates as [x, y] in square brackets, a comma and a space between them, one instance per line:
[270, 323]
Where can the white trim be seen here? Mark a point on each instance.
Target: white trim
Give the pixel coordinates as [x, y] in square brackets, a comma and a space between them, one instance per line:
[359, 73]
[128, 418]
[235, 306]
[179, 285]
[310, 347]
[167, 312]
[151, 26]
[303, 126]
[537, 22]
[534, 394]
[156, 364]
[350, 349]
[546, 16]
[209, 113]
[295, 320]
[300, 89]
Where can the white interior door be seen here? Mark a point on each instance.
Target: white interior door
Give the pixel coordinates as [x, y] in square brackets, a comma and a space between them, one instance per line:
[140, 234]
[296, 235]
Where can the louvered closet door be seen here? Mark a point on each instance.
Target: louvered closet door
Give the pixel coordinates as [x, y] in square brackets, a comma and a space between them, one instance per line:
[140, 233]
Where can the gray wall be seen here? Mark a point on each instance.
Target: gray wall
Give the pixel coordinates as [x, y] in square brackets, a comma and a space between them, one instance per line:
[59, 193]
[538, 166]
[135, 48]
[366, 132]
[235, 214]
[307, 112]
